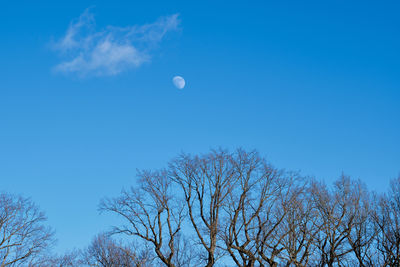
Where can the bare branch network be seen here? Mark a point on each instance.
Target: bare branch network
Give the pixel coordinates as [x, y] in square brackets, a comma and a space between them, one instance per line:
[222, 209]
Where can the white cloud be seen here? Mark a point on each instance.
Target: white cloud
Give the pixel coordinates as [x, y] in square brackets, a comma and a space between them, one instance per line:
[111, 50]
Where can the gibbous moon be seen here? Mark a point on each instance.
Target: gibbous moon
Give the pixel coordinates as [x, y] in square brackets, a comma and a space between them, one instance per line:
[179, 82]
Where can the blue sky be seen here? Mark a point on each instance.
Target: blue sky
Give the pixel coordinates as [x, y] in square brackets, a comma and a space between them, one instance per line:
[314, 86]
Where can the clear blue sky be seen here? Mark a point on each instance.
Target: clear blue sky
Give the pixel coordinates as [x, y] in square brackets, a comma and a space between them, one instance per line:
[314, 86]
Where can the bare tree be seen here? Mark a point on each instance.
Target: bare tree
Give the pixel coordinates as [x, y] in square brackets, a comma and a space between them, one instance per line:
[106, 252]
[248, 207]
[237, 206]
[361, 229]
[68, 259]
[272, 222]
[152, 213]
[299, 228]
[23, 234]
[387, 220]
[205, 182]
[343, 215]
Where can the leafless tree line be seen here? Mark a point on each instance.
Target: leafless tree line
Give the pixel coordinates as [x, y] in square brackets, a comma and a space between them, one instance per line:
[222, 209]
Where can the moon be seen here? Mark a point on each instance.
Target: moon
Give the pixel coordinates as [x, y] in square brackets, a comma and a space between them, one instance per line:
[179, 82]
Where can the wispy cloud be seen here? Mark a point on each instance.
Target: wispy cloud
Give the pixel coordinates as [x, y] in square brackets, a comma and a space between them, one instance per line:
[87, 51]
